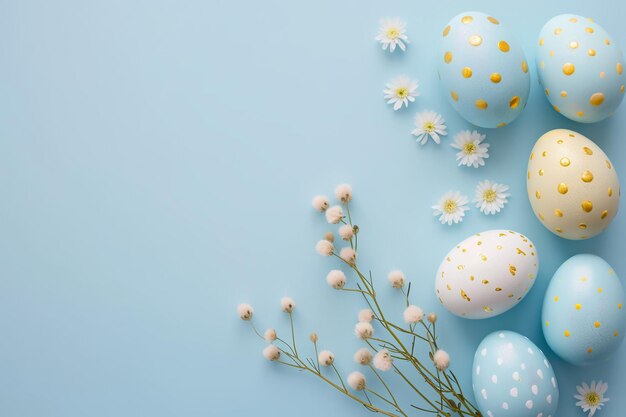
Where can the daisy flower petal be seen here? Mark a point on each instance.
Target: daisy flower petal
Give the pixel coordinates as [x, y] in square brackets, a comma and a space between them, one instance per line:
[591, 397]
[472, 149]
[400, 91]
[392, 33]
[490, 197]
[429, 124]
[451, 208]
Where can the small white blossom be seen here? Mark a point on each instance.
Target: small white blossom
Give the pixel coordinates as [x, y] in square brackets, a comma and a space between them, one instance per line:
[325, 247]
[391, 33]
[429, 124]
[591, 398]
[491, 197]
[363, 356]
[245, 311]
[401, 90]
[441, 360]
[396, 279]
[366, 315]
[270, 335]
[271, 353]
[473, 151]
[346, 232]
[413, 314]
[383, 360]
[320, 203]
[336, 279]
[326, 358]
[348, 255]
[287, 304]
[451, 207]
[334, 214]
[356, 380]
[363, 330]
[343, 192]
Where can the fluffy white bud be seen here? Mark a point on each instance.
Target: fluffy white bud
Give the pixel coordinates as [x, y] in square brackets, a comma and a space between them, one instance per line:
[363, 330]
[356, 380]
[287, 304]
[396, 279]
[441, 358]
[334, 214]
[413, 314]
[336, 279]
[326, 358]
[271, 353]
[245, 311]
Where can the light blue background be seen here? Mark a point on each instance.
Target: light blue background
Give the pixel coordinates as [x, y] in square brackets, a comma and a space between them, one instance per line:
[157, 160]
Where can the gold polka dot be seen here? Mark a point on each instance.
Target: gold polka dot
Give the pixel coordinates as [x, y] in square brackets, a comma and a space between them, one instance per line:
[537, 194]
[485, 281]
[558, 31]
[591, 52]
[551, 53]
[514, 102]
[481, 104]
[566, 333]
[587, 206]
[558, 213]
[495, 78]
[487, 309]
[542, 64]
[475, 40]
[607, 42]
[563, 93]
[498, 289]
[562, 188]
[580, 114]
[600, 289]
[619, 306]
[467, 19]
[547, 323]
[556, 108]
[493, 20]
[467, 72]
[544, 153]
[573, 44]
[558, 230]
[589, 30]
[615, 334]
[560, 141]
[540, 216]
[568, 68]
[602, 74]
[547, 91]
[608, 164]
[556, 298]
[524, 66]
[596, 99]
[587, 150]
[503, 46]
[573, 20]
[578, 306]
[586, 176]
[454, 95]
[446, 30]
[582, 226]
[532, 155]
[589, 350]
[621, 88]
[564, 162]
[596, 324]
[583, 279]
[619, 68]
[501, 124]
[604, 214]
[541, 172]
[447, 57]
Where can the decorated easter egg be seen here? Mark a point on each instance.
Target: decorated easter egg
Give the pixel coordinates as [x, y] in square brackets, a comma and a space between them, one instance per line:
[583, 318]
[487, 274]
[580, 68]
[483, 70]
[512, 378]
[572, 185]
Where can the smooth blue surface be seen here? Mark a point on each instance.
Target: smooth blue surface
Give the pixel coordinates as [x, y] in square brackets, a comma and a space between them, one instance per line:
[157, 162]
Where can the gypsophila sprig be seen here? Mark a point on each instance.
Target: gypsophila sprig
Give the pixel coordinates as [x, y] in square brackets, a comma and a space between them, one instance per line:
[320, 203]
[401, 91]
[429, 124]
[591, 398]
[472, 149]
[394, 346]
[391, 33]
[451, 208]
[490, 197]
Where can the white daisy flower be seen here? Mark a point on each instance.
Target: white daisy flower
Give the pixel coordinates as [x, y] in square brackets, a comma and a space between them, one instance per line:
[400, 91]
[451, 207]
[491, 197]
[591, 398]
[391, 33]
[429, 124]
[473, 151]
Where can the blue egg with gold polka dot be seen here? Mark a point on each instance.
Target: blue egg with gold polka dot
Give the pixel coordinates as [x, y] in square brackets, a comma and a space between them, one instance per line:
[483, 70]
[511, 377]
[580, 68]
[583, 318]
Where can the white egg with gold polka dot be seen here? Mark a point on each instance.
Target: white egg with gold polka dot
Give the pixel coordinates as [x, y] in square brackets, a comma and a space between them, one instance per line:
[483, 70]
[487, 274]
[572, 185]
[580, 68]
[583, 315]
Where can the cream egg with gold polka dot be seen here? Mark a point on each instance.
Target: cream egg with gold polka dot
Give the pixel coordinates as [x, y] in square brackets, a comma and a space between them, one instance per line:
[483, 70]
[582, 317]
[487, 274]
[580, 68]
[572, 185]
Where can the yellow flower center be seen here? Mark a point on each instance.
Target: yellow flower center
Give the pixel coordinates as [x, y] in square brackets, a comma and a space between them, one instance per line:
[402, 92]
[469, 148]
[428, 127]
[449, 206]
[489, 196]
[592, 398]
[393, 33]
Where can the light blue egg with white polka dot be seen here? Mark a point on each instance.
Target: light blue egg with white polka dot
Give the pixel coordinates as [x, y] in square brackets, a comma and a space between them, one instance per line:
[580, 68]
[583, 319]
[511, 377]
[483, 70]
